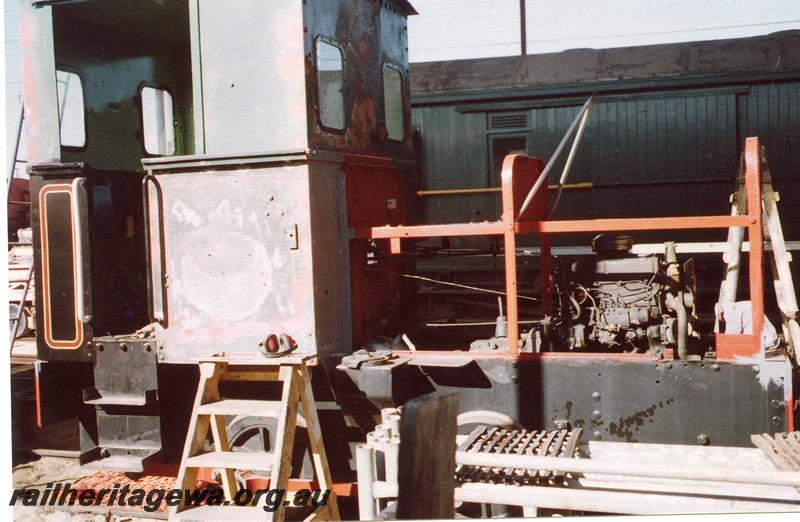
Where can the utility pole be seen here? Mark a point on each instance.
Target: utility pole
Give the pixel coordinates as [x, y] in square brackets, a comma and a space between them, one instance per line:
[522, 29]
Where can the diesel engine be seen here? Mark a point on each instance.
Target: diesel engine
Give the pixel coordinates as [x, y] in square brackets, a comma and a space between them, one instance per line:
[618, 302]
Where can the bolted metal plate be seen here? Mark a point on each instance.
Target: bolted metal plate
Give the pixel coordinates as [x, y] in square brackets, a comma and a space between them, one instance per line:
[633, 400]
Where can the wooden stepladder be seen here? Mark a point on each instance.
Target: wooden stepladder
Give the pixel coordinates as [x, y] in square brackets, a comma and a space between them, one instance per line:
[777, 253]
[209, 412]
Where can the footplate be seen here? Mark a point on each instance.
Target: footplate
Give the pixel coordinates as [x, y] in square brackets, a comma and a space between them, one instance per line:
[544, 443]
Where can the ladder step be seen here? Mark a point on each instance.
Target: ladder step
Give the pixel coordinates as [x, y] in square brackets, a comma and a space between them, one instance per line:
[228, 513]
[241, 407]
[232, 460]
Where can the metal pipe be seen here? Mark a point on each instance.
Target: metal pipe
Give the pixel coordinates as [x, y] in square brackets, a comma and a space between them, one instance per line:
[641, 249]
[683, 326]
[382, 489]
[555, 156]
[718, 474]
[488, 190]
[571, 157]
[610, 501]
[387, 413]
[732, 258]
[523, 30]
[394, 423]
[590, 184]
[689, 487]
[391, 459]
[365, 467]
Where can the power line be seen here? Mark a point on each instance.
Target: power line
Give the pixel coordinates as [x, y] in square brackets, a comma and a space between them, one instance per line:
[601, 37]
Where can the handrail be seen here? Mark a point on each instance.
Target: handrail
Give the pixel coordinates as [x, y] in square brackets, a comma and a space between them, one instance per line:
[77, 193]
[161, 316]
[543, 176]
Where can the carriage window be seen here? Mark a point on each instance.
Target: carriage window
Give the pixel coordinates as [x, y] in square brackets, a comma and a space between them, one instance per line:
[70, 109]
[330, 85]
[157, 121]
[393, 102]
[502, 146]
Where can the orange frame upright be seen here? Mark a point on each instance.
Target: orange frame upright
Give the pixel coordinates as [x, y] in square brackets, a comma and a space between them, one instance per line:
[518, 176]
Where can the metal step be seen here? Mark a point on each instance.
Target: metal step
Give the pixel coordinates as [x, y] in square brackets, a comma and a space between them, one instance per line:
[125, 429]
[232, 460]
[106, 398]
[227, 513]
[241, 407]
[128, 459]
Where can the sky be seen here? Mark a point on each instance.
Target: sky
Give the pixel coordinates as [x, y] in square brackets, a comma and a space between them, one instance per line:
[457, 29]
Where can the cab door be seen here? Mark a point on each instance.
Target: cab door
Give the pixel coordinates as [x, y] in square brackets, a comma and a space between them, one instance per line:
[62, 264]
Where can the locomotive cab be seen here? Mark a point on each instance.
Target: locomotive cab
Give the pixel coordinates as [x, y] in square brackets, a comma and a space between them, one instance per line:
[199, 195]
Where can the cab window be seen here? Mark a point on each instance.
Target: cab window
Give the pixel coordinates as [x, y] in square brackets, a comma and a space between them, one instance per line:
[71, 112]
[330, 84]
[393, 102]
[158, 122]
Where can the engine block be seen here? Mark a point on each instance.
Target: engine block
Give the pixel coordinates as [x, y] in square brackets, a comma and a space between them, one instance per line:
[619, 302]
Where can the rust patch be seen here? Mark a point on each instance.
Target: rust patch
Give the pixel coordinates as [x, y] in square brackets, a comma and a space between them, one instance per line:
[625, 427]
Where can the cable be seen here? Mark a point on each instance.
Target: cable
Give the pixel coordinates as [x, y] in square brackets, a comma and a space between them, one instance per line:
[486, 323]
[467, 287]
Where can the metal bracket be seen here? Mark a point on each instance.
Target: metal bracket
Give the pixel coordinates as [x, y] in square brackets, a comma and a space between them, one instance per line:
[291, 237]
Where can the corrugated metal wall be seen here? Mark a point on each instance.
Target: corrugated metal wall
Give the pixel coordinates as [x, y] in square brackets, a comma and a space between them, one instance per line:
[647, 154]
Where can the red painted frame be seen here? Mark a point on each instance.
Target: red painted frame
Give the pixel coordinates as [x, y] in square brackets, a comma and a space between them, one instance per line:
[517, 177]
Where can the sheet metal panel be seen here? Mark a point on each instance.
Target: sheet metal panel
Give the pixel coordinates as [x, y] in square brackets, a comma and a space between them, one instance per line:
[370, 34]
[251, 62]
[242, 262]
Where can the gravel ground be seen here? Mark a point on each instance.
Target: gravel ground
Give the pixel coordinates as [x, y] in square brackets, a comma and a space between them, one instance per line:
[38, 473]
[32, 514]
[33, 471]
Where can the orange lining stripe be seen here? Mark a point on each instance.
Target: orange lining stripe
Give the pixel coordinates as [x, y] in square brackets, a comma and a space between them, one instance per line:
[69, 344]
